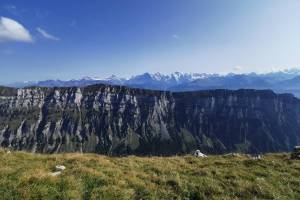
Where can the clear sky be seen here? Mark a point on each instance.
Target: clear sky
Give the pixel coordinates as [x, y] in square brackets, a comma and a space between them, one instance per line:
[71, 39]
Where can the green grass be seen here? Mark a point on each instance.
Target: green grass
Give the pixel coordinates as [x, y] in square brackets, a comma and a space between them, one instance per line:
[91, 176]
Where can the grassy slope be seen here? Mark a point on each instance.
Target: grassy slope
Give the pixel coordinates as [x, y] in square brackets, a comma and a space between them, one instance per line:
[89, 176]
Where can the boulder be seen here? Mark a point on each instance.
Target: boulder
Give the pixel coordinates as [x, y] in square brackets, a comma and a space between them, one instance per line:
[296, 153]
[199, 154]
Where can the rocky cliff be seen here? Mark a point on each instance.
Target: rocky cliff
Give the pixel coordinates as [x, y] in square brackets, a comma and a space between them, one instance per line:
[117, 120]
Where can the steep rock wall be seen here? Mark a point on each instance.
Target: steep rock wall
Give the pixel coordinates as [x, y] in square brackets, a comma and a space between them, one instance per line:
[117, 120]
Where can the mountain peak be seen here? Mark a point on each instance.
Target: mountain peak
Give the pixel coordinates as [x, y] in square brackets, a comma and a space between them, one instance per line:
[182, 81]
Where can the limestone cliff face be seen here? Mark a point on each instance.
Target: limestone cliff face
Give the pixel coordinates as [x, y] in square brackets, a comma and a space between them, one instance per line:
[118, 120]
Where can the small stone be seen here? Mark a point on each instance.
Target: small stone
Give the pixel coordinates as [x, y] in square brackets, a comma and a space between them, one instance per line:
[296, 148]
[60, 168]
[256, 157]
[55, 173]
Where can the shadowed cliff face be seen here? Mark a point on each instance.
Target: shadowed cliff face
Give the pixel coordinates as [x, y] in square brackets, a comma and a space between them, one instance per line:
[117, 120]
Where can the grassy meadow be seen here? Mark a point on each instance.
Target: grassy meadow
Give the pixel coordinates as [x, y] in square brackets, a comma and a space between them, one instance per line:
[90, 176]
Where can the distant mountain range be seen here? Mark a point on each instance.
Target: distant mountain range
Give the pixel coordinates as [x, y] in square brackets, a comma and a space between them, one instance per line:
[286, 81]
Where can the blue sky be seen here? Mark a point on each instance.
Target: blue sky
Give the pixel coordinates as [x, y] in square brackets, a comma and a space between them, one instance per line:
[71, 39]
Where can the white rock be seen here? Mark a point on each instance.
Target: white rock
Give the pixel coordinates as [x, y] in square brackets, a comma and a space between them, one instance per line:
[296, 148]
[55, 173]
[60, 167]
[199, 154]
[8, 152]
[256, 157]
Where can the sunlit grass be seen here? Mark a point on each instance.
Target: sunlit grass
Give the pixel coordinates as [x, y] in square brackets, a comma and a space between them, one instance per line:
[91, 176]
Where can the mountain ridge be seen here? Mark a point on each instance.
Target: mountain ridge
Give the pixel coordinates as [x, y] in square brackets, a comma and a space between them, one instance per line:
[286, 81]
[117, 120]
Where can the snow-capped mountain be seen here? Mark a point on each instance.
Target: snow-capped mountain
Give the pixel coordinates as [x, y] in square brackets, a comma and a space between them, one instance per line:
[59, 83]
[146, 80]
[164, 82]
[280, 81]
[114, 80]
